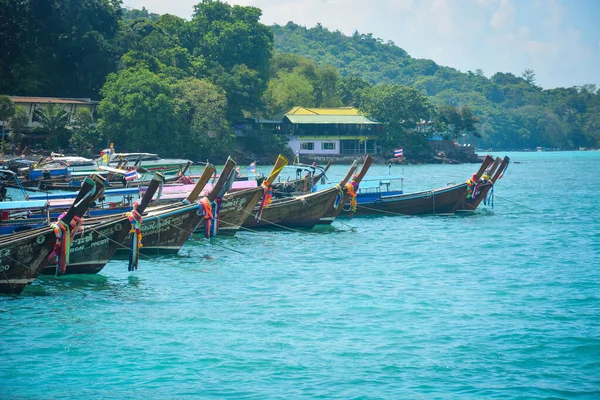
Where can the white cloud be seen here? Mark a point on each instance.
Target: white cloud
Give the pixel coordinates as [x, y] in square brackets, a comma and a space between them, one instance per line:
[504, 15]
[555, 12]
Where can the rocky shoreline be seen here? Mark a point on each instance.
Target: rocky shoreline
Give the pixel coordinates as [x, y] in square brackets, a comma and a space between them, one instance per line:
[378, 159]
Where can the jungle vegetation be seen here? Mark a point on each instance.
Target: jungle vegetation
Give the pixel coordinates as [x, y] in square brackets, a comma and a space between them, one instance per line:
[180, 87]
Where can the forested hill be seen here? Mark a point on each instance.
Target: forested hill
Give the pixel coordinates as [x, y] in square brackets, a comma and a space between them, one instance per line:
[514, 113]
[181, 87]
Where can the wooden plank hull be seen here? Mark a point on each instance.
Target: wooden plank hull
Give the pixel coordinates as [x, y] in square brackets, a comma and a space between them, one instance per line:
[24, 258]
[472, 204]
[302, 185]
[235, 209]
[94, 247]
[436, 201]
[166, 230]
[484, 188]
[24, 255]
[295, 212]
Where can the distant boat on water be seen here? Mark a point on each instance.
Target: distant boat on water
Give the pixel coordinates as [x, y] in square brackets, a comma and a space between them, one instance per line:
[149, 161]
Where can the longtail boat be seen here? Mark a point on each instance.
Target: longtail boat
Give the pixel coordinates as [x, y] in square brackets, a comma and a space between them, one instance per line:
[24, 255]
[167, 227]
[303, 211]
[303, 184]
[149, 161]
[347, 191]
[238, 205]
[479, 191]
[445, 200]
[116, 178]
[101, 237]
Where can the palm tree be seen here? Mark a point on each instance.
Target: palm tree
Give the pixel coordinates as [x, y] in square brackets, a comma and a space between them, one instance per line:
[52, 119]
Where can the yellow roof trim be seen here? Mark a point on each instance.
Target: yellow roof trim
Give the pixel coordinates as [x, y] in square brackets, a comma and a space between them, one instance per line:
[324, 111]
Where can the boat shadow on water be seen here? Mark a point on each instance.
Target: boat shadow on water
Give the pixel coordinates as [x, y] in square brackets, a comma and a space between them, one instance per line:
[84, 283]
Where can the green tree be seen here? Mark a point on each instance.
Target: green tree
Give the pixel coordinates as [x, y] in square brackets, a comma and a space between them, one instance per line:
[326, 93]
[457, 121]
[242, 86]
[237, 49]
[85, 133]
[203, 130]
[18, 122]
[289, 89]
[529, 76]
[7, 110]
[400, 109]
[350, 89]
[54, 119]
[59, 47]
[137, 111]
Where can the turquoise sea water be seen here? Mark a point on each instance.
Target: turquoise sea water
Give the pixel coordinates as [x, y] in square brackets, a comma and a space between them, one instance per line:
[504, 303]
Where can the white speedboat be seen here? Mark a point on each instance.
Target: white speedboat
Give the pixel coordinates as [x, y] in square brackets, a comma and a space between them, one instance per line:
[149, 161]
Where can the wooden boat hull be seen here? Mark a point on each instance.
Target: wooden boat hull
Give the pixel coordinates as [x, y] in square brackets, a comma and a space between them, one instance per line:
[437, 201]
[23, 257]
[444, 200]
[295, 212]
[73, 185]
[166, 230]
[302, 185]
[235, 209]
[484, 188]
[94, 247]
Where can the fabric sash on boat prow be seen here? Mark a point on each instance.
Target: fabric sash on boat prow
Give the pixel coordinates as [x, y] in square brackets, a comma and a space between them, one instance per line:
[267, 188]
[135, 218]
[210, 206]
[70, 222]
[352, 187]
[342, 185]
[206, 211]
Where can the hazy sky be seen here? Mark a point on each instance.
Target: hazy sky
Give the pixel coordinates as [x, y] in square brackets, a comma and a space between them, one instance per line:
[558, 39]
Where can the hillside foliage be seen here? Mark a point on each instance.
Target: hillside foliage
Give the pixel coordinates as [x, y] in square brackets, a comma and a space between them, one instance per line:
[513, 112]
[178, 87]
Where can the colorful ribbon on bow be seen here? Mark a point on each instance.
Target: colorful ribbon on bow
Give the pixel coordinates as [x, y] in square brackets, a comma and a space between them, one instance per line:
[489, 198]
[205, 209]
[216, 208]
[339, 196]
[266, 200]
[64, 235]
[472, 187]
[135, 218]
[352, 187]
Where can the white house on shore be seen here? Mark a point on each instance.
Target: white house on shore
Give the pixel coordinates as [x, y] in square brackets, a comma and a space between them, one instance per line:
[331, 131]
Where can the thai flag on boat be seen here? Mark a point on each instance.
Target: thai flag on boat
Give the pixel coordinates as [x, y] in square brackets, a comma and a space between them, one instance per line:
[398, 152]
[131, 175]
[252, 168]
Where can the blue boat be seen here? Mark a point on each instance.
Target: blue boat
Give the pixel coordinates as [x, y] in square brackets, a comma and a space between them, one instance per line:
[373, 188]
[48, 173]
[22, 215]
[17, 216]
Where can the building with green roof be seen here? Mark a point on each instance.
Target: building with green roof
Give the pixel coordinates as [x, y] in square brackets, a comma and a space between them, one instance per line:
[331, 131]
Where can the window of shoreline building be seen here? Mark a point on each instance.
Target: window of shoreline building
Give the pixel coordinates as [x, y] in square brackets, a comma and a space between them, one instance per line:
[307, 146]
[328, 146]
